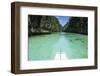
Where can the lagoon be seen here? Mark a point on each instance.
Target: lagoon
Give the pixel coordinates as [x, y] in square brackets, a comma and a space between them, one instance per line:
[46, 47]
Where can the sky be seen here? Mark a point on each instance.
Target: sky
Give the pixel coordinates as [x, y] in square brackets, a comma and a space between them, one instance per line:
[63, 19]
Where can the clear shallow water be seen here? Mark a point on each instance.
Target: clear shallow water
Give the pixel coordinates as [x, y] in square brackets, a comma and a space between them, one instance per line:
[45, 47]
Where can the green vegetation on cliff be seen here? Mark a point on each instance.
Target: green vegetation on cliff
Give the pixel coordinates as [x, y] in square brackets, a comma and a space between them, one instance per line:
[77, 25]
[43, 24]
[38, 24]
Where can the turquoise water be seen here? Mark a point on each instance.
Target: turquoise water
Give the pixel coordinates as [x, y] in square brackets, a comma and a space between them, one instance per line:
[45, 47]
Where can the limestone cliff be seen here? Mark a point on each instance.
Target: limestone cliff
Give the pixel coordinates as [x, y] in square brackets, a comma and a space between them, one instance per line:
[77, 25]
[42, 24]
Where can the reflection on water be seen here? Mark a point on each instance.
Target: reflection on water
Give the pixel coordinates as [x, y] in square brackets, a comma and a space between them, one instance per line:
[46, 47]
